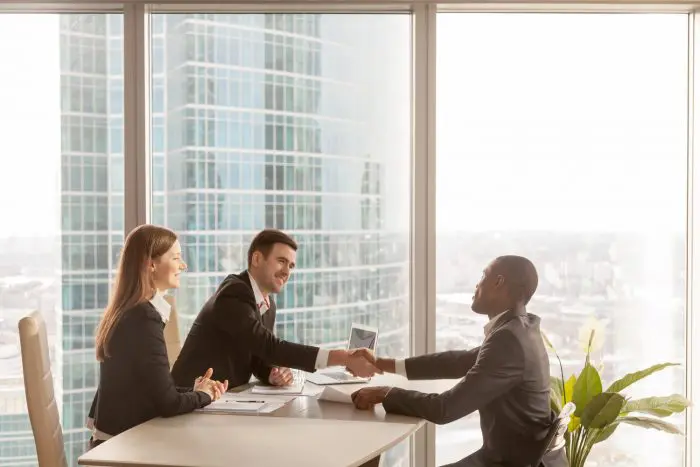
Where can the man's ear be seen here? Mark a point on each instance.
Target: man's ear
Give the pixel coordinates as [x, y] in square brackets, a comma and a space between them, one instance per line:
[500, 281]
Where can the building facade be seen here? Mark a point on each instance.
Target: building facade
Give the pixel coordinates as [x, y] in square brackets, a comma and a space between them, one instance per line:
[257, 121]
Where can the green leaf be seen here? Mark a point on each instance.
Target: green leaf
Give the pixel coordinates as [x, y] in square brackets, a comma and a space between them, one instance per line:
[632, 378]
[602, 410]
[648, 422]
[607, 432]
[574, 423]
[569, 390]
[588, 385]
[659, 406]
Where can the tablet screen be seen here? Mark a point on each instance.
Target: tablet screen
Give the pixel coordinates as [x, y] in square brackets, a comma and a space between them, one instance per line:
[362, 338]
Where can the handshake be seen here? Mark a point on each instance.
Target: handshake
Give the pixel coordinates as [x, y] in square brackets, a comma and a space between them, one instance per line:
[359, 362]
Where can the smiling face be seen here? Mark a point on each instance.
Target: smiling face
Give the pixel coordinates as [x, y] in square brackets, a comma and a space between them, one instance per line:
[272, 272]
[167, 268]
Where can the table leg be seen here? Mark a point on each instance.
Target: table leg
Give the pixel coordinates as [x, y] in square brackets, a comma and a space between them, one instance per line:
[372, 462]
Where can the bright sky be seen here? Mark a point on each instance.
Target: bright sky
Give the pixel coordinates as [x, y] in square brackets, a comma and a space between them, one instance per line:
[561, 122]
[30, 125]
[542, 124]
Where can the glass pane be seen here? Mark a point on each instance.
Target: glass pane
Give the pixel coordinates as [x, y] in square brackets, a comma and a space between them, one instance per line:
[299, 122]
[562, 138]
[61, 198]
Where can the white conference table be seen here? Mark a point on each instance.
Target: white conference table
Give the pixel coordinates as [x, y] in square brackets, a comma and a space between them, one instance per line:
[305, 432]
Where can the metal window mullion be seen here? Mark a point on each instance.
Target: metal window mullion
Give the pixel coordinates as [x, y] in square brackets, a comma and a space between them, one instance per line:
[692, 459]
[137, 186]
[423, 207]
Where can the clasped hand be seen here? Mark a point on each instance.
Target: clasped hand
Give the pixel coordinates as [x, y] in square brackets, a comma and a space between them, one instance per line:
[280, 376]
[213, 388]
[362, 363]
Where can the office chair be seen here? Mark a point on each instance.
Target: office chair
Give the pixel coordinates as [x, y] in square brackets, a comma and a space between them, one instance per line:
[38, 387]
[555, 435]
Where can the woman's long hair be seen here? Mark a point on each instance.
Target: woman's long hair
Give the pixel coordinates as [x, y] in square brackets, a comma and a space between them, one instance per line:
[134, 281]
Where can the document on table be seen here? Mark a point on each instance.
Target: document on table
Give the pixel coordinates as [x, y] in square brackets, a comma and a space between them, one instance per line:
[332, 394]
[295, 389]
[236, 403]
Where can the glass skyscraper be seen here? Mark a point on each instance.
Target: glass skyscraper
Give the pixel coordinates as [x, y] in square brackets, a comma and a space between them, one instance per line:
[256, 122]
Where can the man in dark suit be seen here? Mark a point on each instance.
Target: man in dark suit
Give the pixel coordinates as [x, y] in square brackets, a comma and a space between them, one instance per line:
[506, 379]
[234, 331]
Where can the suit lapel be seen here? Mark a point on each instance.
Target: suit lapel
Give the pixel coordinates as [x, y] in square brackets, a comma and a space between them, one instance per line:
[268, 319]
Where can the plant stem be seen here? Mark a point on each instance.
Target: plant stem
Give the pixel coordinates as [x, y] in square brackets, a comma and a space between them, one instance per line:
[575, 450]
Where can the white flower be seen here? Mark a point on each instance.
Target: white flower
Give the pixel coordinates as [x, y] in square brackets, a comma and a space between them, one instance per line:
[592, 335]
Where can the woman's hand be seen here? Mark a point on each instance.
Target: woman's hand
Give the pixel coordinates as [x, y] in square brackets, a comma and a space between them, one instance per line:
[213, 388]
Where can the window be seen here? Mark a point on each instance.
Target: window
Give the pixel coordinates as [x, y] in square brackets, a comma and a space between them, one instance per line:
[55, 198]
[369, 104]
[569, 148]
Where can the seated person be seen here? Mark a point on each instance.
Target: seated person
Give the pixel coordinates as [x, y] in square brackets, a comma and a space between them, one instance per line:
[234, 331]
[506, 379]
[135, 382]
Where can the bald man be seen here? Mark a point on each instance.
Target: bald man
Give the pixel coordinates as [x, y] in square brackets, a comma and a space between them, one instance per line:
[506, 379]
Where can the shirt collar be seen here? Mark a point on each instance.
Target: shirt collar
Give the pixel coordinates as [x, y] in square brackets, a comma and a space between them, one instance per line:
[263, 304]
[161, 305]
[492, 322]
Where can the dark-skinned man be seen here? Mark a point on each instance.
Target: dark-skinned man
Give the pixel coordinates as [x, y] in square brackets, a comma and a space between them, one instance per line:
[506, 379]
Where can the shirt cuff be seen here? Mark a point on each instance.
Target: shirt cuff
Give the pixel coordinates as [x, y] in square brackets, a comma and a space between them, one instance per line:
[322, 359]
[401, 367]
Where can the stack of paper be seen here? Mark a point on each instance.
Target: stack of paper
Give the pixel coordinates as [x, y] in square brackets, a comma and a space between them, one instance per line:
[332, 394]
[229, 405]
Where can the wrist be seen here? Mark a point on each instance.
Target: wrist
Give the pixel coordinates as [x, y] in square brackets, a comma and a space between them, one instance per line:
[387, 365]
[337, 358]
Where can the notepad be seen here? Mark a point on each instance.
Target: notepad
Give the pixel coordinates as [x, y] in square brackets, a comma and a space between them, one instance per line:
[234, 405]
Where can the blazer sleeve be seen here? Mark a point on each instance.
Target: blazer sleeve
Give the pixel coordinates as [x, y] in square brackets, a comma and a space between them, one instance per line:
[153, 369]
[452, 364]
[498, 368]
[237, 318]
[261, 370]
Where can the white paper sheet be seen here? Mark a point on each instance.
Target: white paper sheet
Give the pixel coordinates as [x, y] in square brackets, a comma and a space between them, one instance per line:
[332, 394]
[289, 390]
[232, 405]
[245, 403]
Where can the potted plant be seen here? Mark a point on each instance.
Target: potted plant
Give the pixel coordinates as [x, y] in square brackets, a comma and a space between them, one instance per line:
[600, 412]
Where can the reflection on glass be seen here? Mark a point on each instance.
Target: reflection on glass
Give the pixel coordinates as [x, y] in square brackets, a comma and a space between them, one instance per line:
[569, 148]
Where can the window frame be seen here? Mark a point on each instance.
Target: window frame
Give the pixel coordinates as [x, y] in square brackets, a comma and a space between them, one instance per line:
[137, 150]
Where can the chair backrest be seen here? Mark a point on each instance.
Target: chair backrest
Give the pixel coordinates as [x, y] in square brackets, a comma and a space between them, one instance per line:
[555, 435]
[172, 333]
[38, 387]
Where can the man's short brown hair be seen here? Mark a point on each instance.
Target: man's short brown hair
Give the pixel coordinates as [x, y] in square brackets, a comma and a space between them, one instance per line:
[265, 240]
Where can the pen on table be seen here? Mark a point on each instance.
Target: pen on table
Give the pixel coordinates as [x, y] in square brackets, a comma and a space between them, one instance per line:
[252, 402]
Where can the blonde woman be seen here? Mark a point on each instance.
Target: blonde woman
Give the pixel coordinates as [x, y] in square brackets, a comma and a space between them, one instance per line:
[135, 382]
